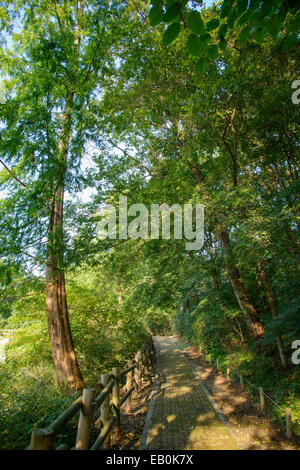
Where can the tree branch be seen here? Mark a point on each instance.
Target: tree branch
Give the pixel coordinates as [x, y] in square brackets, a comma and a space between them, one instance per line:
[11, 174]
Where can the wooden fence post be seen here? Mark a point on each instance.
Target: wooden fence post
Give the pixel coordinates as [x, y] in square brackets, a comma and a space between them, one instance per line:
[105, 409]
[143, 367]
[288, 423]
[148, 363]
[262, 399]
[116, 395]
[41, 439]
[147, 355]
[147, 360]
[85, 420]
[228, 372]
[137, 371]
[241, 383]
[129, 385]
[151, 351]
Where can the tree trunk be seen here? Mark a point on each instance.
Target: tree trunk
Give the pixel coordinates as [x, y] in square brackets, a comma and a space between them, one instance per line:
[63, 353]
[273, 305]
[214, 272]
[251, 316]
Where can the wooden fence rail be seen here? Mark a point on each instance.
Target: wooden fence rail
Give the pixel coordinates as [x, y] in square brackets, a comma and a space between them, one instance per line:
[108, 400]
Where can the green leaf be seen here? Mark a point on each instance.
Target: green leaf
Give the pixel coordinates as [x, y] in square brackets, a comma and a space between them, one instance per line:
[212, 24]
[288, 42]
[253, 5]
[195, 22]
[225, 8]
[205, 37]
[256, 20]
[212, 51]
[231, 19]
[274, 25]
[244, 34]
[156, 16]
[267, 7]
[259, 35]
[200, 65]
[282, 14]
[171, 2]
[172, 12]
[223, 45]
[242, 5]
[195, 45]
[171, 33]
[244, 18]
[222, 31]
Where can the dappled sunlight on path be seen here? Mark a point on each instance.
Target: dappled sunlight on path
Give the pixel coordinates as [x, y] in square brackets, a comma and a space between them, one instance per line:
[182, 417]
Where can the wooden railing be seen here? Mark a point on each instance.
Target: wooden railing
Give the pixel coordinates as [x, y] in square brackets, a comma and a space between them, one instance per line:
[108, 400]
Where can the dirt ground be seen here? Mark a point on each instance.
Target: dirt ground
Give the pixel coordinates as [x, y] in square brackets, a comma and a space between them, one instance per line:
[132, 423]
[254, 430]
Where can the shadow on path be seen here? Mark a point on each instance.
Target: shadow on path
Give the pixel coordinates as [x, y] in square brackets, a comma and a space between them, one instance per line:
[182, 416]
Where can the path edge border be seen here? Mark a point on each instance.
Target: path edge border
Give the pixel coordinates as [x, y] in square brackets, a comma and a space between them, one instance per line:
[148, 421]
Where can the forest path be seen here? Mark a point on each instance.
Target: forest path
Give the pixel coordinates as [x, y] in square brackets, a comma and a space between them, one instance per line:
[180, 415]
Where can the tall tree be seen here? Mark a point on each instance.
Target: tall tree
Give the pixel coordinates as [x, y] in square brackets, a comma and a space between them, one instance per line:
[55, 60]
[199, 136]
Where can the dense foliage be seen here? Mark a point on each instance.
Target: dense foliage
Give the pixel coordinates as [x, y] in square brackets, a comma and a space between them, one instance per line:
[146, 123]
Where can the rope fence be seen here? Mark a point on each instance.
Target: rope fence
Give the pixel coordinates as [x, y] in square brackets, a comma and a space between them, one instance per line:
[262, 395]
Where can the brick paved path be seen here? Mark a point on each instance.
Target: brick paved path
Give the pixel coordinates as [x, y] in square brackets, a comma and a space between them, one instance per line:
[180, 416]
